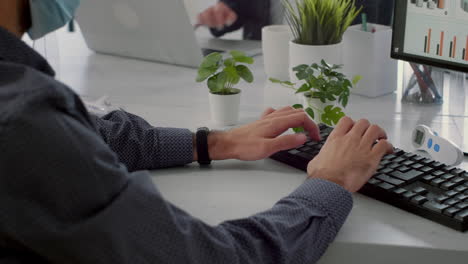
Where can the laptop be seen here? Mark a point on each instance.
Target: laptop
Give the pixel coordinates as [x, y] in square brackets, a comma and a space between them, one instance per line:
[154, 30]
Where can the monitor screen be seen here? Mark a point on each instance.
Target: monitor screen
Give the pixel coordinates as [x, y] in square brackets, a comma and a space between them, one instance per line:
[432, 32]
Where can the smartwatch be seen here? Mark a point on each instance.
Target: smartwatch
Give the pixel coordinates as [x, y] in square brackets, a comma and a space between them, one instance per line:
[202, 146]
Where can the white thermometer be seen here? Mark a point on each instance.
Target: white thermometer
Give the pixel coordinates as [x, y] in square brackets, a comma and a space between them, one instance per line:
[439, 148]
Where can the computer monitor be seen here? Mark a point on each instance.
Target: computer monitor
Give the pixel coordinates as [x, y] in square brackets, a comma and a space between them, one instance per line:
[432, 32]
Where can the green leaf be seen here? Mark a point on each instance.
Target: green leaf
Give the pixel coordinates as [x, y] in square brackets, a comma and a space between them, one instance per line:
[345, 101]
[304, 88]
[273, 80]
[310, 112]
[204, 73]
[245, 73]
[356, 79]
[229, 62]
[301, 67]
[298, 130]
[221, 80]
[232, 75]
[332, 115]
[212, 83]
[211, 60]
[298, 106]
[240, 57]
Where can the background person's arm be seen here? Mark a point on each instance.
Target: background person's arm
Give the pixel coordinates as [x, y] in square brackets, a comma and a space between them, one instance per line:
[65, 196]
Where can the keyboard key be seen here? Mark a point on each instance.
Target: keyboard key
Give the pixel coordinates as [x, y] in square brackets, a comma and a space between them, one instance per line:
[391, 180]
[448, 185]
[464, 176]
[437, 182]
[417, 166]
[386, 186]
[427, 161]
[451, 211]
[398, 152]
[420, 190]
[435, 206]
[394, 166]
[428, 178]
[458, 171]
[373, 181]
[389, 157]
[418, 158]
[398, 160]
[386, 170]
[409, 194]
[437, 165]
[448, 168]
[462, 197]
[451, 193]
[399, 191]
[409, 155]
[305, 155]
[442, 198]
[419, 199]
[461, 188]
[452, 202]
[385, 162]
[458, 180]
[462, 216]
[426, 169]
[294, 152]
[447, 176]
[462, 205]
[408, 163]
[406, 176]
[403, 168]
[305, 149]
[438, 173]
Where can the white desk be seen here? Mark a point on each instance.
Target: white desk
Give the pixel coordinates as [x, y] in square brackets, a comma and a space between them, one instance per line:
[168, 96]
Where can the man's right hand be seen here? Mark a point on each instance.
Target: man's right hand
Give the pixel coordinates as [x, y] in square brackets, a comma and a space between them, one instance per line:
[217, 16]
[350, 155]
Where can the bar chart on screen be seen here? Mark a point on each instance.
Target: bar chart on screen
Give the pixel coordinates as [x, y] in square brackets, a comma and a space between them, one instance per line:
[444, 43]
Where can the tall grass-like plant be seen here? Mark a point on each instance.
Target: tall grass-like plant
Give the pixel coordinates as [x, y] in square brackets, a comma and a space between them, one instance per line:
[320, 22]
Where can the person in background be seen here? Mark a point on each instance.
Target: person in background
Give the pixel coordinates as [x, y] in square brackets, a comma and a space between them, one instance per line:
[252, 15]
[73, 187]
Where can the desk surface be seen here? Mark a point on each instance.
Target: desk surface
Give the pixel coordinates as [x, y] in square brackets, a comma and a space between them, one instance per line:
[168, 96]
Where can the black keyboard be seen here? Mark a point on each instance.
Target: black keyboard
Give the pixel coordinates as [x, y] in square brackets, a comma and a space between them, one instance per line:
[405, 180]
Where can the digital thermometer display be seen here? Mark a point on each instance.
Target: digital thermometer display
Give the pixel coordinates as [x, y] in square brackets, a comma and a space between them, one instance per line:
[418, 137]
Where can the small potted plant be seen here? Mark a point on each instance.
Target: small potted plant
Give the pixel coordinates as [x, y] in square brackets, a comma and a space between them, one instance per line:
[222, 74]
[324, 91]
[318, 27]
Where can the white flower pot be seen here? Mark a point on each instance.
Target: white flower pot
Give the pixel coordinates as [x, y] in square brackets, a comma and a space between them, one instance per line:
[309, 54]
[225, 109]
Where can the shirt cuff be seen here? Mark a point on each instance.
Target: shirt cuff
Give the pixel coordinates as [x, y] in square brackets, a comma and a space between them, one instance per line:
[330, 197]
[175, 147]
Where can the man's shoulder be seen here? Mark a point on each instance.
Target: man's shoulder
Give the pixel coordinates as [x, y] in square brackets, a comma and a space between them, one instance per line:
[24, 90]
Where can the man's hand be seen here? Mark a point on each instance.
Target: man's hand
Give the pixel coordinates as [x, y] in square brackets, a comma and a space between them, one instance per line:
[217, 16]
[262, 138]
[351, 155]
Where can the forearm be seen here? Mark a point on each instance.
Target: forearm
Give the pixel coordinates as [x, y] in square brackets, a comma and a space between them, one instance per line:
[141, 146]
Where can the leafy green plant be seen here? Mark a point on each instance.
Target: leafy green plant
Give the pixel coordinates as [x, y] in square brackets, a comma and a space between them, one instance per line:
[320, 22]
[224, 73]
[323, 82]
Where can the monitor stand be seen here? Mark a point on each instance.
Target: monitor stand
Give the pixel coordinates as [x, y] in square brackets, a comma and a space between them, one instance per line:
[423, 84]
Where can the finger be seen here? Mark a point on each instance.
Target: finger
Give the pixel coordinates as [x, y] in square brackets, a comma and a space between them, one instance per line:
[283, 123]
[360, 127]
[220, 18]
[342, 128]
[231, 17]
[373, 134]
[383, 147]
[206, 19]
[285, 111]
[285, 142]
[268, 111]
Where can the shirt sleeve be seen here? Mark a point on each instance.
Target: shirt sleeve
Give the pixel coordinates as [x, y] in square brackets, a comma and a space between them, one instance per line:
[66, 198]
[141, 146]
